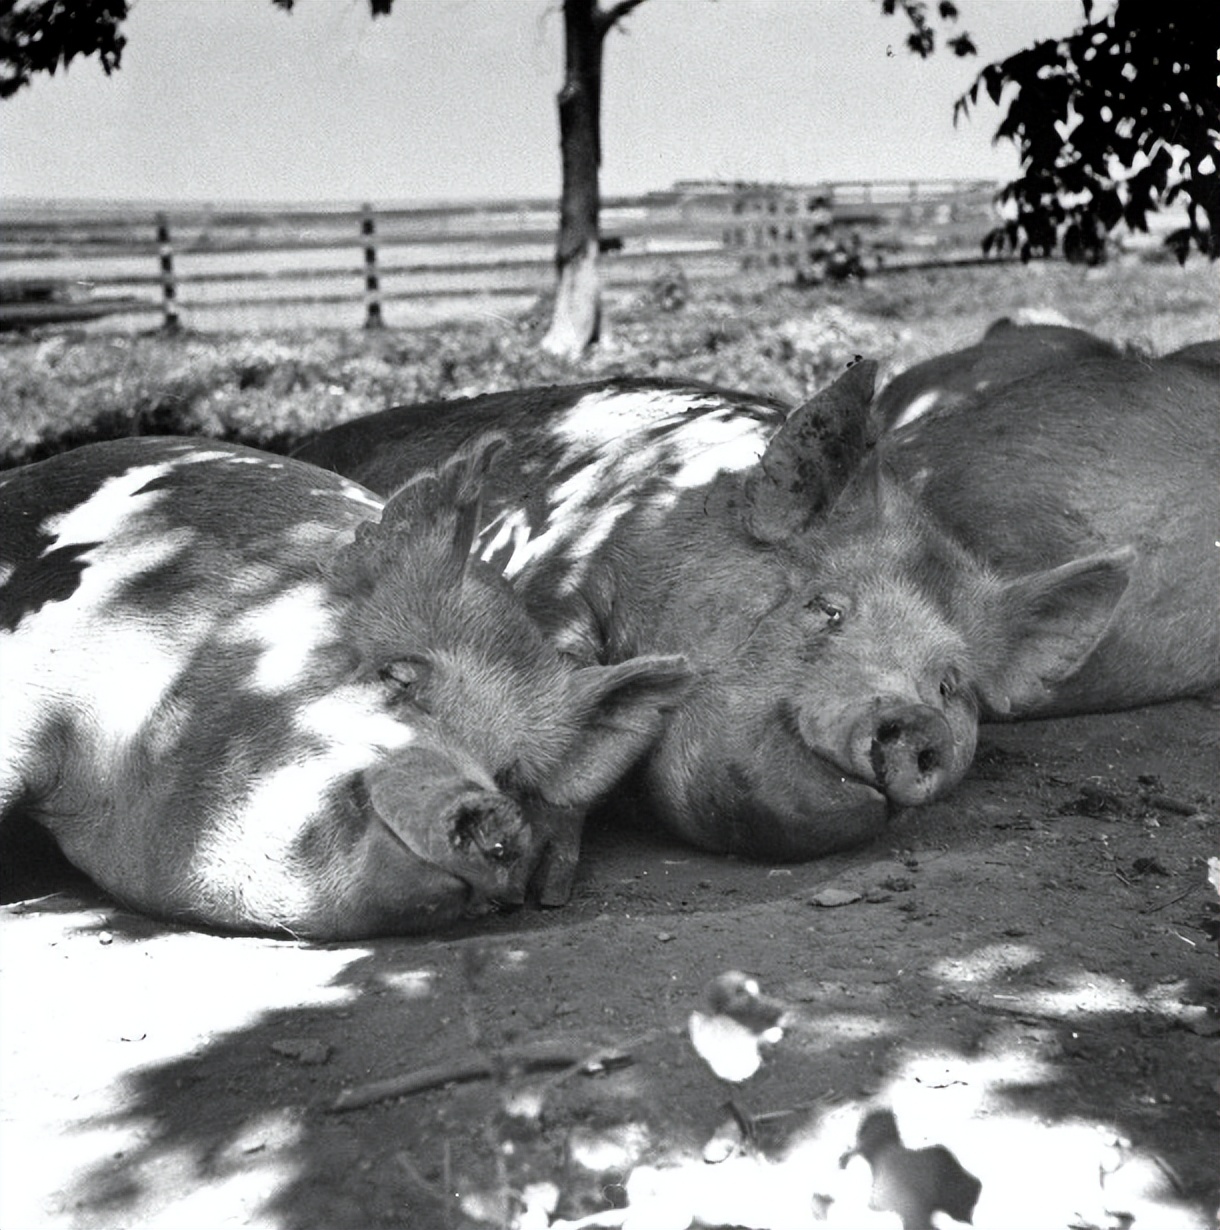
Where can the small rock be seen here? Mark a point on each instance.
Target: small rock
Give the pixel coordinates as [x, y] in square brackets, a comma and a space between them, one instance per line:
[304, 1050]
[898, 884]
[829, 898]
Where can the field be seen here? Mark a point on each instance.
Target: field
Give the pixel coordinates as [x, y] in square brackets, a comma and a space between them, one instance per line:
[1024, 971]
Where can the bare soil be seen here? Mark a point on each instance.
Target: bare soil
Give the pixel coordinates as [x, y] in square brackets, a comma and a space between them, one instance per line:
[1025, 972]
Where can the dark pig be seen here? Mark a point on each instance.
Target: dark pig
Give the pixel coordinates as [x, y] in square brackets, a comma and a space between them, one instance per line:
[842, 643]
[1205, 353]
[1006, 352]
[244, 692]
[1089, 458]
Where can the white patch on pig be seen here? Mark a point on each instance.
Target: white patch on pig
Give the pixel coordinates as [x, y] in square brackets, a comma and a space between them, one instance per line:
[356, 728]
[107, 662]
[103, 514]
[289, 628]
[246, 863]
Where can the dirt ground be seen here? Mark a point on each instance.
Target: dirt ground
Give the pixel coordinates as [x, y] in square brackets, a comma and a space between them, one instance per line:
[1025, 972]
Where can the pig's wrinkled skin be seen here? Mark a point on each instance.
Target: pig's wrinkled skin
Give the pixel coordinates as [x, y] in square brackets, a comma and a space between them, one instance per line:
[842, 643]
[1006, 352]
[243, 692]
[1090, 458]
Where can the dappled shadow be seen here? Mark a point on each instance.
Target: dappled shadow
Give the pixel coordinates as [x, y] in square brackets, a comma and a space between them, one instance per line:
[999, 974]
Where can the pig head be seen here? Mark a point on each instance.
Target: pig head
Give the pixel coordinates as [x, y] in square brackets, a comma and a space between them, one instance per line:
[843, 642]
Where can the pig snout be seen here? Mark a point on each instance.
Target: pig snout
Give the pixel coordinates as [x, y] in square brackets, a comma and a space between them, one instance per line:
[908, 750]
[489, 836]
[489, 824]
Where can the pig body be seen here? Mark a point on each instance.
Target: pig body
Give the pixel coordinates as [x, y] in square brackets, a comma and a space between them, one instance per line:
[841, 642]
[244, 692]
[1088, 457]
[1006, 352]
[1205, 353]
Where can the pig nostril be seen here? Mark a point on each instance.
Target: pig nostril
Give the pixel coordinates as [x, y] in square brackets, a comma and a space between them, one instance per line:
[888, 732]
[928, 760]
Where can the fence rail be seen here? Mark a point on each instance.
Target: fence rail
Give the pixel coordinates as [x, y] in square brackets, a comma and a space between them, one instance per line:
[80, 264]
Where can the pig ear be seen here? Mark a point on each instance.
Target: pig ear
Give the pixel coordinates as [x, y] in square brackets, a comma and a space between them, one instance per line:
[1043, 627]
[619, 713]
[812, 457]
[436, 513]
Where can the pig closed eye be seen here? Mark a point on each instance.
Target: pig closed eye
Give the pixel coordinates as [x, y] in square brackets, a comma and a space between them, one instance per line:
[409, 678]
[831, 612]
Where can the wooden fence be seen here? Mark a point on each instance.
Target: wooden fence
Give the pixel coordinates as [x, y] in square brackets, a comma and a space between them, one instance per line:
[73, 265]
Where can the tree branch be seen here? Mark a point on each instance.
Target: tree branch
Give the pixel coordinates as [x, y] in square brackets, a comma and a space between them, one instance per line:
[606, 20]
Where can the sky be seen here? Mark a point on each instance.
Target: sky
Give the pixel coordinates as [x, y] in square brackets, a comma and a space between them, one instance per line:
[234, 100]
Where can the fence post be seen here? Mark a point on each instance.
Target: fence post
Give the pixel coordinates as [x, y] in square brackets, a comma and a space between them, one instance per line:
[372, 283]
[169, 306]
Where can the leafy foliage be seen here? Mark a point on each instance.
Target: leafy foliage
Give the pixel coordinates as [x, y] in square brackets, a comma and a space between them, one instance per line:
[37, 36]
[1112, 124]
[922, 38]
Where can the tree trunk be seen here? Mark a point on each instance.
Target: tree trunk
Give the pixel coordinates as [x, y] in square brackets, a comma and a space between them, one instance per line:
[577, 320]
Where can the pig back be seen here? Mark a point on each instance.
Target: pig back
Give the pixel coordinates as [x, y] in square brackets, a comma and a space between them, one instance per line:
[1084, 458]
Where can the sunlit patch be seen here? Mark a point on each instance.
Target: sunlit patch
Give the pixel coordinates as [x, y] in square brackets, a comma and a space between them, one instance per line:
[197, 456]
[1034, 1171]
[1089, 994]
[917, 408]
[317, 534]
[354, 492]
[512, 536]
[613, 1147]
[289, 628]
[989, 962]
[595, 530]
[717, 443]
[98, 1151]
[410, 984]
[835, 1028]
[961, 1102]
[627, 452]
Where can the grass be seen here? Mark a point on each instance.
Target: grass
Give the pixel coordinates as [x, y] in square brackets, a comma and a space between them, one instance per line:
[63, 388]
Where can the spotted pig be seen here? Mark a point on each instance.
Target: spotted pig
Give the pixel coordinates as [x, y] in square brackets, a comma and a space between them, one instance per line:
[244, 692]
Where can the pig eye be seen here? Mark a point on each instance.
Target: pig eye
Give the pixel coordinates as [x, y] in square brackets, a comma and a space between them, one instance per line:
[948, 687]
[409, 678]
[832, 612]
